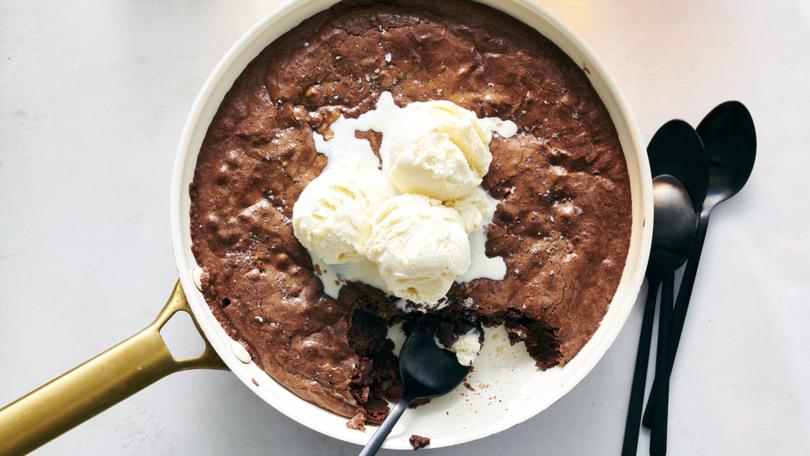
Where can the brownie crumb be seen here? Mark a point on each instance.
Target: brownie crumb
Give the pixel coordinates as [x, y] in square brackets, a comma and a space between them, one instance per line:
[417, 441]
[357, 422]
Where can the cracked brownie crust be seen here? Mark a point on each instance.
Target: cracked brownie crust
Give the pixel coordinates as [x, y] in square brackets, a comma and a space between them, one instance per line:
[562, 226]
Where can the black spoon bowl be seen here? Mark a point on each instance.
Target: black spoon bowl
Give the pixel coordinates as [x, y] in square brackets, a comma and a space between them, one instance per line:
[675, 222]
[673, 235]
[677, 150]
[427, 371]
[729, 137]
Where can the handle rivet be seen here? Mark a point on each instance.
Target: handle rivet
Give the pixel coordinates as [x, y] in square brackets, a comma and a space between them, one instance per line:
[241, 352]
[196, 275]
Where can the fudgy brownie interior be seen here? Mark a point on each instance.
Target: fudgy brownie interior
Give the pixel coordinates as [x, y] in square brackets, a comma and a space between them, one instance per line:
[562, 225]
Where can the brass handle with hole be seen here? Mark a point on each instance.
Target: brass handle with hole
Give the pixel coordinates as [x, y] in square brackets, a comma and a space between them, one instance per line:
[98, 384]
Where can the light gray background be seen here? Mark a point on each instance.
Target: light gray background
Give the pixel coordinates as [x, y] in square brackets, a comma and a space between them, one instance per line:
[93, 95]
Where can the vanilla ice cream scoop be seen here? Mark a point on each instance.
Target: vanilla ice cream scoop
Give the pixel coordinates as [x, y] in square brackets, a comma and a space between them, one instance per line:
[332, 216]
[437, 149]
[419, 246]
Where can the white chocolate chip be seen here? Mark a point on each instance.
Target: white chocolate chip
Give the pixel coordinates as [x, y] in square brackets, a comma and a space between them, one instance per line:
[240, 352]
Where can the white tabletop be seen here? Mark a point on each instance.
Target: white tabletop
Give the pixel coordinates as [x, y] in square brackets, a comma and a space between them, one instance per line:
[93, 95]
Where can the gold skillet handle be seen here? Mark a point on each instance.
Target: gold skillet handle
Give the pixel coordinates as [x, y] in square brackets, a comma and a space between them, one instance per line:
[98, 384]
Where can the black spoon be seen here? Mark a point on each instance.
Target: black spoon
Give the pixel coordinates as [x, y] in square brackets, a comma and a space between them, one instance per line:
[673, 234]
[427, 371]
[730, 140]
[675, 150]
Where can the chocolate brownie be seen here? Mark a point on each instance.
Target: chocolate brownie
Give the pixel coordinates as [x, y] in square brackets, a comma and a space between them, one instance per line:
[562, 225]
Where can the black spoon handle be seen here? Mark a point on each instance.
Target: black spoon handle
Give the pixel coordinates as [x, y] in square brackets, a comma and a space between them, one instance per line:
[631, 426]
[681, 306]
[658, 437]
[385, 428]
